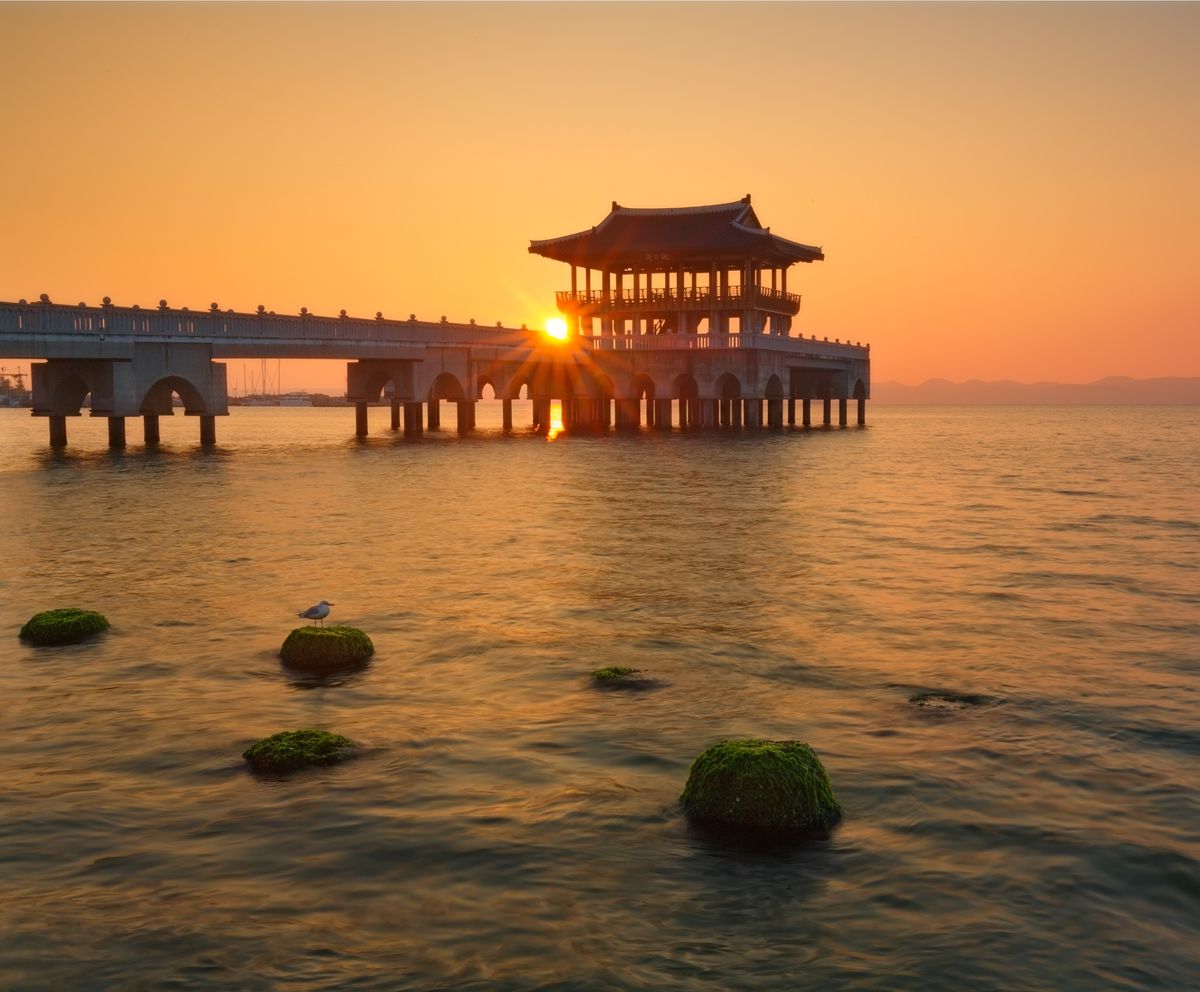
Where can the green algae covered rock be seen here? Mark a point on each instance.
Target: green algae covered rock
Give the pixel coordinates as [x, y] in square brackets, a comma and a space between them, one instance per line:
[326, 649]
[775, 789]
[62, 626]
[292, 749]
[619, 677]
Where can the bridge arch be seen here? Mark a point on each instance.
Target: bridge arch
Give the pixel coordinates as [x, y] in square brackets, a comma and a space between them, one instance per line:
[447, 387]
[642, 387]
[774, 388]
[157, 399]
[377, 382]
[522, 380]
[483, 380]
[860, 390]
[728, 387]
[69, 393]
[684, 387]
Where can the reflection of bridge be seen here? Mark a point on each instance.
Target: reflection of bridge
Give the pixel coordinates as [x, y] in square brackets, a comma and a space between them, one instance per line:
[131, 361]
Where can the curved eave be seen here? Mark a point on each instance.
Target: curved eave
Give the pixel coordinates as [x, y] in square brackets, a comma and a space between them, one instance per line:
[576, 253]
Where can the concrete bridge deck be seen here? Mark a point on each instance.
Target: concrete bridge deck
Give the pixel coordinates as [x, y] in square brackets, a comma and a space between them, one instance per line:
[132, 360]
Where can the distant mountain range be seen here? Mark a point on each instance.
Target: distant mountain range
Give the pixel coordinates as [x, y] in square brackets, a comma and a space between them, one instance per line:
[1114, 390]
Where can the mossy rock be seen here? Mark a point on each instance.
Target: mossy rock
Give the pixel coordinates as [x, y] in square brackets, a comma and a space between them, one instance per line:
[62, 626]
[620, 677]
[943, 701]
[292, 749]
[773, 789]
[326, 649]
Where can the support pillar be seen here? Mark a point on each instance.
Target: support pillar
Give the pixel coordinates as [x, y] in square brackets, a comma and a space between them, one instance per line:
[842, 411]
[464, 416]
[413, 419]
[360, 420]
[58, 432]
[825, 413]
[775, 413]
[753, 412]
[150, 428]
[735, 412]
[791, 399]
[862, 412]
[208, 427]
[806, 412]
[116, 432]
[395, 415]
[507, 407]
[435, 414]
[662, 415]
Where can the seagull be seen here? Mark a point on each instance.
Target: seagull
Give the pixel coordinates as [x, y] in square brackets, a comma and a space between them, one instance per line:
[318, 612]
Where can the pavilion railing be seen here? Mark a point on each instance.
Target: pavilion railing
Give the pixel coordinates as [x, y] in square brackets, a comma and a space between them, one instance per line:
[701, 298]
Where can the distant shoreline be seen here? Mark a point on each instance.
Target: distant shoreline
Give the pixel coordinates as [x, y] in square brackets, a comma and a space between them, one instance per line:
[1110, 391]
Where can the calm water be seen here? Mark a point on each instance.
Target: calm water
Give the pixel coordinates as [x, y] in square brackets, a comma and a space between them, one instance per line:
[508, 827]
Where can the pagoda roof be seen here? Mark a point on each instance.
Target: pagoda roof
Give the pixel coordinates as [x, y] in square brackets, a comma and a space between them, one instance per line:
[665, 237]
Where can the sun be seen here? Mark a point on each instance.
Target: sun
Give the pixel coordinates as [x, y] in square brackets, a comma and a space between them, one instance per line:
[556, 327]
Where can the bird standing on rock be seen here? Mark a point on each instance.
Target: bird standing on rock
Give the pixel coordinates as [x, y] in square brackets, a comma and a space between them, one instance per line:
[318, 612]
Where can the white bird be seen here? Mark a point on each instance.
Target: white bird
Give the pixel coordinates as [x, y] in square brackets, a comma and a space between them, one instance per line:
[318, 612]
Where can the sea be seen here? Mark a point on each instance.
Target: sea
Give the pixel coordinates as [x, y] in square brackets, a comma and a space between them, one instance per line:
[508, 826]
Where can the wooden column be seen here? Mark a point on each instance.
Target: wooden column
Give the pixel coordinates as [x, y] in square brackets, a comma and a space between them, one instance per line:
[150, 432]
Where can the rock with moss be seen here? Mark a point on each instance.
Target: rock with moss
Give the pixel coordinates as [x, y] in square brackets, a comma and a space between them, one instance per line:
[620, 677]
[62, 626]
[326, 649]
[292, 749]
[772, 789]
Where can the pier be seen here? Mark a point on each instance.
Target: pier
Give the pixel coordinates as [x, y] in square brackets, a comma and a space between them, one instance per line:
[691, 326]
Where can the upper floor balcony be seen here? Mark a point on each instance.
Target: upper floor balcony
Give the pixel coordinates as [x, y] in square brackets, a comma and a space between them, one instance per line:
[591, 303]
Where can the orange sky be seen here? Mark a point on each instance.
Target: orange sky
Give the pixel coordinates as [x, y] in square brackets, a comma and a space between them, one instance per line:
[1001, 191]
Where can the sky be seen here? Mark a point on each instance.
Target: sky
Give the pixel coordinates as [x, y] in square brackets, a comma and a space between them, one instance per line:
[1002, 191]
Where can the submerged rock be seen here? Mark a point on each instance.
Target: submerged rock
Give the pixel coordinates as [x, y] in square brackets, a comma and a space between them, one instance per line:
[942, 700]
[292, 749]
[326, 649]
[775, 789]
[619, 677]
[64, 626]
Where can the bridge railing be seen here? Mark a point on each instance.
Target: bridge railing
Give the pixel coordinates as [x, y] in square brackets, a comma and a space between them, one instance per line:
[43, 318]
[800, 346]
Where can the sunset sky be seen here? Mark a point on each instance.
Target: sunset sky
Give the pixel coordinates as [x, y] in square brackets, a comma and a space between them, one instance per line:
[1001, 191]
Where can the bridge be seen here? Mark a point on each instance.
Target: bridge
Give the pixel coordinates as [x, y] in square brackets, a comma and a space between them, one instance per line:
[132, 361]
